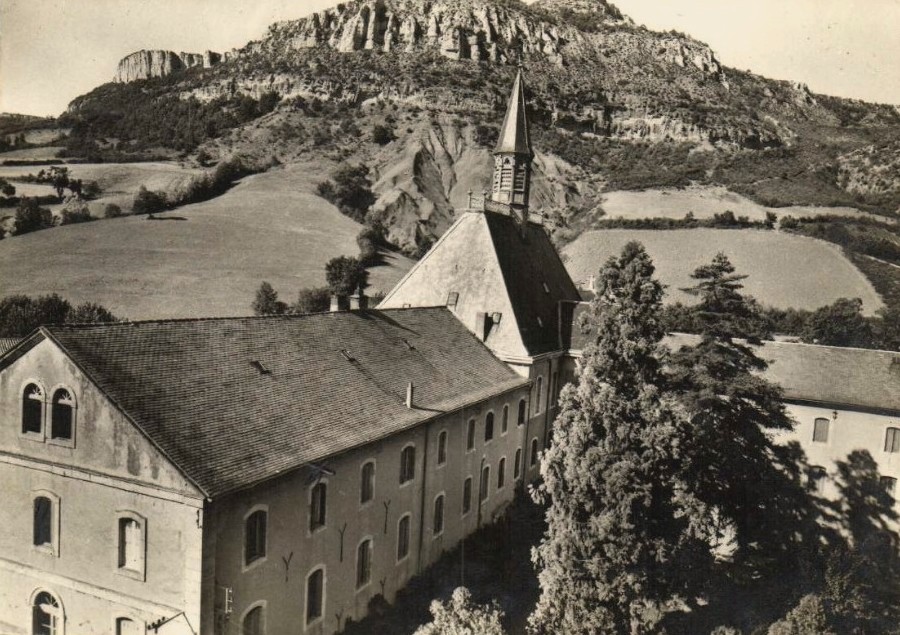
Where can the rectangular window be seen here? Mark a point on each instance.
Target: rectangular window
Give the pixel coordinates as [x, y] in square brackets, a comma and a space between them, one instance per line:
[539, 392]
[438, 515]
[43, 522]
[820, 430]
[816, 479]
[467, 496]
[403, 538]
[470, 435]
[501, 473]
[407, 464]
[367, 483]
[442, 448]
[255, 536]
[315, 592]
[318, 506]
[892, 440]
[517, 468]
[130, 545]
[484, 487]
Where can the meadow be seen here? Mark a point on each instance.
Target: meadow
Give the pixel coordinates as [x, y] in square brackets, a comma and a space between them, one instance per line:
[784, 270]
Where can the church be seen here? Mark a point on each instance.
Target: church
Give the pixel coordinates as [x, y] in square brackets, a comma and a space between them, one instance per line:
[275, 474]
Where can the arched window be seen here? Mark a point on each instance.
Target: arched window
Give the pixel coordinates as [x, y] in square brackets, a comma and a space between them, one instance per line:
[315, 595]
[363, 563]
[407, 464]
[534, 452]
[127, 626]
[489, 427]
[539, 394]
[131, 544]
[254, 622]
[554, 387]
[820, 430]
[367, 482]
[892, 440]
[504, 423]
[501, 473]
[889, 483]
[32, 410]
[318, 506]
[520, 420]
[467, 496]
[485, 485]
[403, 537]
[43, 522]
[442, 448]
[438, 525]
[46, 615]
[62, 415]
[517, 468]
[255, 536]
[816, 479]
[470, 435]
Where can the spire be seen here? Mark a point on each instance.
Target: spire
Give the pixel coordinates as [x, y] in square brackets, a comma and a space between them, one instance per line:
[514, 136]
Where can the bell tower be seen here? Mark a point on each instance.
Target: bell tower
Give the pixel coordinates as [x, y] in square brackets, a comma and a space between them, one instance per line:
[513, 155]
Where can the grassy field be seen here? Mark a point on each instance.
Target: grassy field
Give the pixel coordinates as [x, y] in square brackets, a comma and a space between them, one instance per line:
[703, 201]
[205, 259]
[784, 270]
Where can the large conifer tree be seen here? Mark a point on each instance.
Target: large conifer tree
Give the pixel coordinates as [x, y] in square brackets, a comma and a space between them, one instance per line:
[624, 534]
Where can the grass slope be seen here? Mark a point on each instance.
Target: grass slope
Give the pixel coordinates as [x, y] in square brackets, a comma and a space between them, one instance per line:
[784, 270]
[269, 227]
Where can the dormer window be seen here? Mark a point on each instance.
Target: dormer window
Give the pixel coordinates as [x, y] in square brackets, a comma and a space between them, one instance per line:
[33, 410]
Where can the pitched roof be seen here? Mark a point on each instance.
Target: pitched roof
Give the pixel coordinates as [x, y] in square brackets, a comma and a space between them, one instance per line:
[494, 264]
[514, 135]
[851, 377]
[6, 343]
[237, 400]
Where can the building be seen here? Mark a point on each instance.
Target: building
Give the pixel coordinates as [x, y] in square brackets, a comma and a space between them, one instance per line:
[274, 475]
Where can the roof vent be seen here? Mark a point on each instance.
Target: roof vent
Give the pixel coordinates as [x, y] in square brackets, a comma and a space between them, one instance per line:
[452, 298]
[348, 355]
[259, 366]
[409, 344]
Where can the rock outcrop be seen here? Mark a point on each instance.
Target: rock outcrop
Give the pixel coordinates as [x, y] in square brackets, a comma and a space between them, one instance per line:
[147, 64]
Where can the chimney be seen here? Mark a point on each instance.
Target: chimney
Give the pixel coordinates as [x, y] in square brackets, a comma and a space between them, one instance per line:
[483, 324]
[410, 393]
[359, 301]
[339, 303]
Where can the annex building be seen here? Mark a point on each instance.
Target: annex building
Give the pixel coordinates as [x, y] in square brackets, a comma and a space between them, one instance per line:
[273, 475]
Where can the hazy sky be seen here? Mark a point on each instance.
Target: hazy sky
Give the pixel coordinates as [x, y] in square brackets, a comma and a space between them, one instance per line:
[54, 50]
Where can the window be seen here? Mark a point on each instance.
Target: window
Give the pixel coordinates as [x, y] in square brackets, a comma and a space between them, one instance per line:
[43, 522]
[62, 415]
[470, 435]
[131, 543]
[438, 524]
[539, 393]
[554, 389]
[484, 488]
[489, 427]
[467, 496]
[407, 464]
[816, 479]
[522, 407]
[442, 447]
[363, 563]
[127, 626]
[452, 298]
[32, 409]
[253, 622]
[318, 506]
[367, 482]
[255, 536]
[501, 473]
[504, 423]
[889, 483]
[892, 440]
[534, 452]
[820, 430]
[46, 615]
[315, 595]
[403, 538]
[517, 466]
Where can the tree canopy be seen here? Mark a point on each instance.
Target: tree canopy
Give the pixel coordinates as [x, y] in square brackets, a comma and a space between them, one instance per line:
[21, 314]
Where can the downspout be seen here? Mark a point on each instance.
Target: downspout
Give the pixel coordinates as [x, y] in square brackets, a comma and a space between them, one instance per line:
[422, 506]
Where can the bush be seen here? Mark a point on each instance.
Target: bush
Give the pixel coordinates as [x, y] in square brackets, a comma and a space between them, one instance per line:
[312, 300]
[80, 214]
[350, 190]
[345, 276]
[31, 217]
[382, 135]
[149, 202]
[112, 211]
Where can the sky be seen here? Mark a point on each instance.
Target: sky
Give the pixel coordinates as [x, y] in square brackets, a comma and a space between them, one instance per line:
[54, 50]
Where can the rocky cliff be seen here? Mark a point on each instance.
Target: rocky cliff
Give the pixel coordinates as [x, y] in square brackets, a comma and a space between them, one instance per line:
[147, 64]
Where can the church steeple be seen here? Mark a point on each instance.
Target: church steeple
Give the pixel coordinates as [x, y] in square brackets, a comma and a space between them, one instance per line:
[513, 155]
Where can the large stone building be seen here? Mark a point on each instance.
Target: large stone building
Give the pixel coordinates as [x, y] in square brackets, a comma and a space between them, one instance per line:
[275, 474]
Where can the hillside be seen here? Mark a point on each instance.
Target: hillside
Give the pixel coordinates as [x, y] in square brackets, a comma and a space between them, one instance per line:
[614, 106]
[202, 260]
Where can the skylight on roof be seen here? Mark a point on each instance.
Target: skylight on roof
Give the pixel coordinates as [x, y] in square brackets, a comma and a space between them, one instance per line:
[258, 365]
[546, 288]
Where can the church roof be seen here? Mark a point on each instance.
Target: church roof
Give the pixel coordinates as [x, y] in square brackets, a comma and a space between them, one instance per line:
[489, 262]
[234, 401]
[514, 135]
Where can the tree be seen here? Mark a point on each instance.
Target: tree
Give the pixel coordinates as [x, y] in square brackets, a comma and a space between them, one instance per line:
[90, 313]
[75, 212]
[382, 135]
[350, 190]
[345, 276]
[312, 300]
[461, 616]
[267, 302]
[7, 188]
[728, 457]
[149, 202]
[112, 211]
[31, 217]
[889, 328]
[840, 324]
[807, 618]
[624, 534]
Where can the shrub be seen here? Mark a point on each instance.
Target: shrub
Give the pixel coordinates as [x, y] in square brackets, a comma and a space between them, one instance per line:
[382, 135]
[312, 300]
[345, 276]
[149, 202]
[789, 222]
[31, 217]
[79, 214]
[112, 211]
[350, 190]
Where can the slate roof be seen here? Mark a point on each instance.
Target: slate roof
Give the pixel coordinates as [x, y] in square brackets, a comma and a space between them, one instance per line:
[237, 400]
[536, 280]
[571, 335]
[7, 343]
[514, 135]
